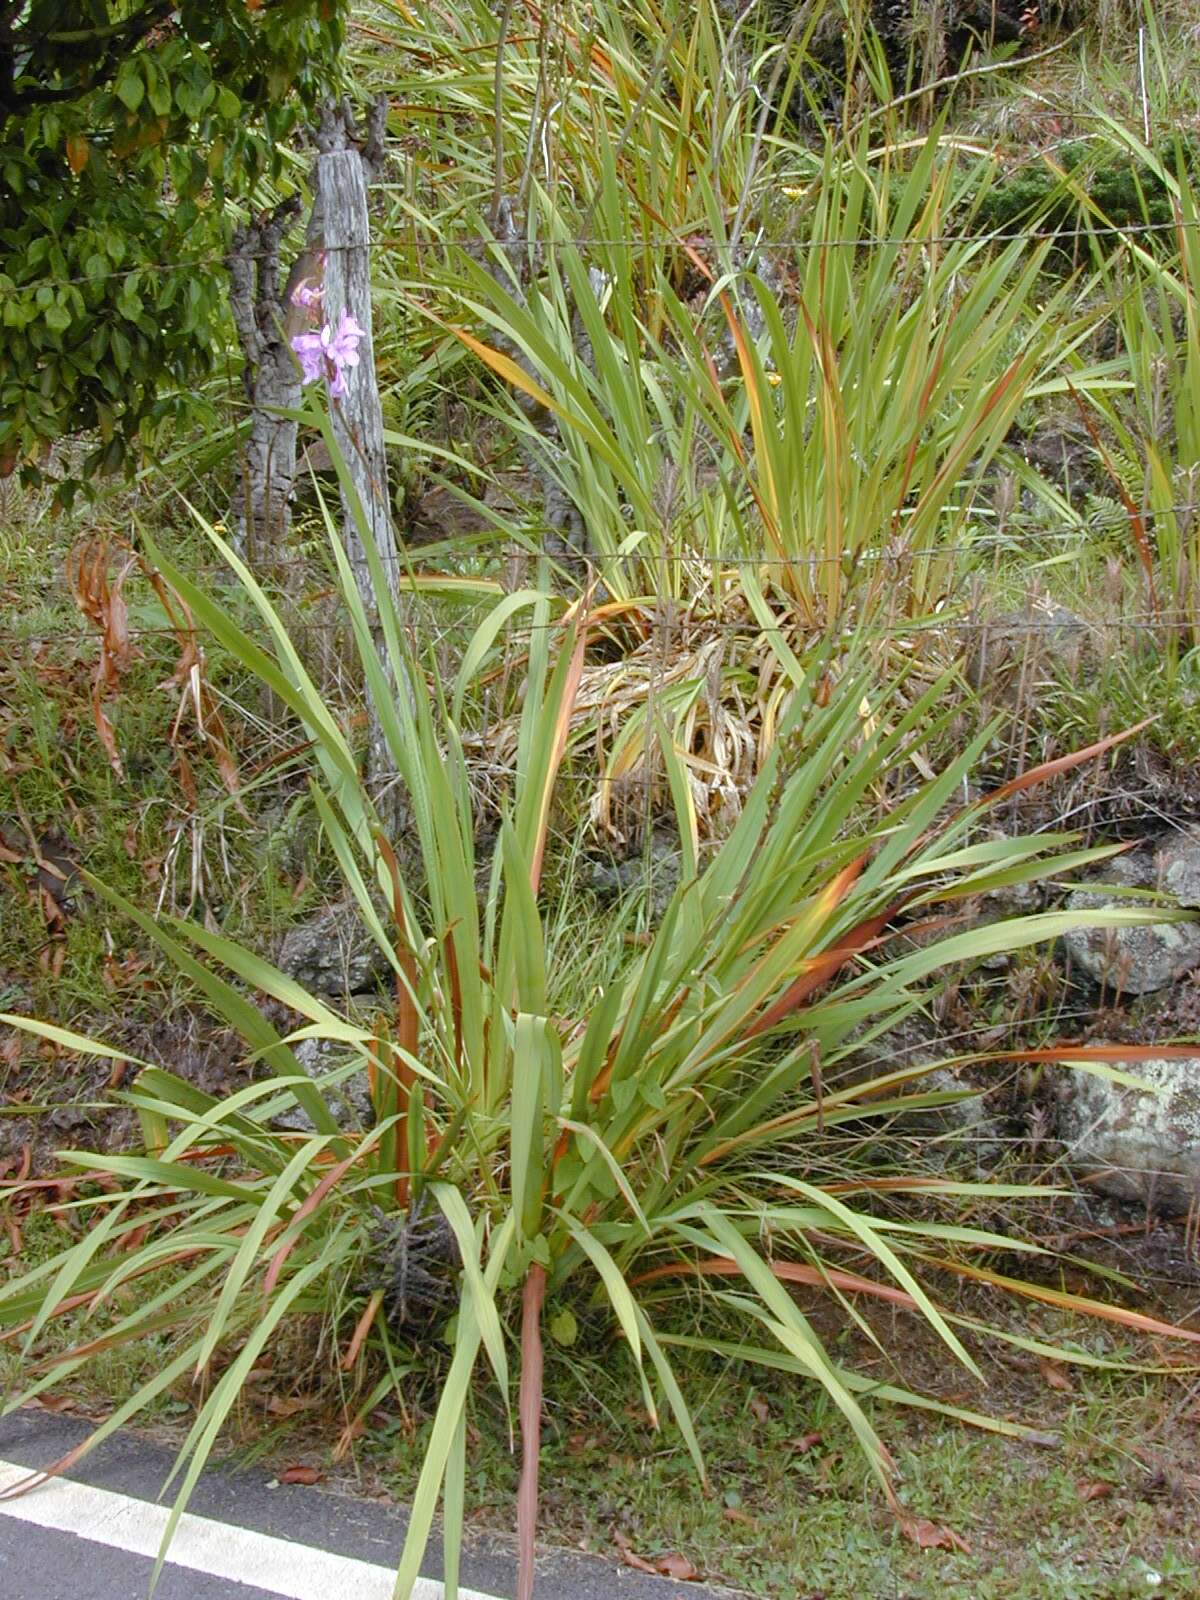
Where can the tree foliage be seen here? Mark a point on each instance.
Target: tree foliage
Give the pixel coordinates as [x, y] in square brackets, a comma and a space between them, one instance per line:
[127, 129]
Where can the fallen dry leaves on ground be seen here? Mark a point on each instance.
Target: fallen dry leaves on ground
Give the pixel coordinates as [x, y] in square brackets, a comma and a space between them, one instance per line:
[670, 1565]
[927, 1535]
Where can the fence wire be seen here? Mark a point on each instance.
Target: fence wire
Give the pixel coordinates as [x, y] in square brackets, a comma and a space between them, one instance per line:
[739, 251]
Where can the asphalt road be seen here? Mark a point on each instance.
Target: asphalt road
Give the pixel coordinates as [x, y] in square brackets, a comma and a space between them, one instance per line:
[244, 1537]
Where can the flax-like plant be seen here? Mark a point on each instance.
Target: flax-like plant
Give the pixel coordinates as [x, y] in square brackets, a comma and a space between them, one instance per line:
[1155, 467]
[820, 417]
[677, 89]
[668, 1126]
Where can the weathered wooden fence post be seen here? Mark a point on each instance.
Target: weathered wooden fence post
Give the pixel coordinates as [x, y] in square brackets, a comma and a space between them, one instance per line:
[341, 182]
[261, 512]
[342, 221]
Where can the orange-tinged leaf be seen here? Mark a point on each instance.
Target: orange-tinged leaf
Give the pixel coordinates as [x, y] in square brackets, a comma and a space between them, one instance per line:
[821, 968]
[1061, 764]
[301, 1474]
[736, 1514]
[362, 1328]
[786, 1272]
[78, 151]
[754, 399]
[1095, 1489]
[506, 368]
[561, 730]
[309, 1205]
[674, 1565]
[1066, 1053]
[529, 1406]
[927, 1535]
[630, 1556]
[1071, 1302]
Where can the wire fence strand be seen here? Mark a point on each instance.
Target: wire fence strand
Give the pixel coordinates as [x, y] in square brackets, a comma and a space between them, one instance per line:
[749, 628]
[652, 241]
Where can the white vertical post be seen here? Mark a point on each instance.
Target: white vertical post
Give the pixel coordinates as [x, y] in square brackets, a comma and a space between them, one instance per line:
[358, 415]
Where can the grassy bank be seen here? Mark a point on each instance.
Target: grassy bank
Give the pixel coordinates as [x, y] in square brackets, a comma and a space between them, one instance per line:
[796, 466]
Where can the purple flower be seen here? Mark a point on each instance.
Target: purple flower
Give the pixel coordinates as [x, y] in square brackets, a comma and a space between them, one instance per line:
[307, 293]
[329, 353]
[311, 352]
[310, 291]
[343, 351]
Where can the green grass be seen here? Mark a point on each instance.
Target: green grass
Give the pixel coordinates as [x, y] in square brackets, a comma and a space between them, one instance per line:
[788, 1518]
[790, 1511]
[829, 444]
[164, 831]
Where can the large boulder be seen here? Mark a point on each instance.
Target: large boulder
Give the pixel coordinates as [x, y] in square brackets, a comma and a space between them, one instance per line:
[1140, 960]
[333, 953]
[1134, 1144]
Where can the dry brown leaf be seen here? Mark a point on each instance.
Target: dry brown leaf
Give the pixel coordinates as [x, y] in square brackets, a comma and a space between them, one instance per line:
[1056, 1375]
[759, 1407]
[806, 1442]
[307, 1475]
[78, 151]
[673, 1565]
[103, 604]
[195, 693]
[927, 1535]
[1095, 1489]
[57, 1402]
[630, 1556]
[287, 1406]
[353, 1430]
[736, 1514]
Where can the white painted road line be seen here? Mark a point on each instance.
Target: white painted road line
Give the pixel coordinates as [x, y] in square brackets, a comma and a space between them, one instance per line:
[220, 1549]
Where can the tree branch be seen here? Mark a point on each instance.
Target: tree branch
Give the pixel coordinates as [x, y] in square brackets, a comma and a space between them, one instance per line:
[78, 46]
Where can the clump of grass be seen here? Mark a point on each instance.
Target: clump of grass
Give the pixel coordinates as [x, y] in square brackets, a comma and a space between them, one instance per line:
[667, 1130]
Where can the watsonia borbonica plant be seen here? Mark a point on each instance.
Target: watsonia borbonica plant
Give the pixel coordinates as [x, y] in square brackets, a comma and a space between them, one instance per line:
[670, 1128]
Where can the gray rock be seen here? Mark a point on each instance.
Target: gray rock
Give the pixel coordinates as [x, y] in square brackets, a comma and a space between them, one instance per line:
[1134, 1144]
[1140, 960]
[966, 1131]
[1179, 866]
[1012, 651]
[350, 1100]
[333, 954]
[655, 867]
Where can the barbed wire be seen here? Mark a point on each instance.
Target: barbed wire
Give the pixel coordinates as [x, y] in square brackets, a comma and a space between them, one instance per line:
[1000, 540]
[987, 543]
[749, 628]
[1168, 614]
[679, 240]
